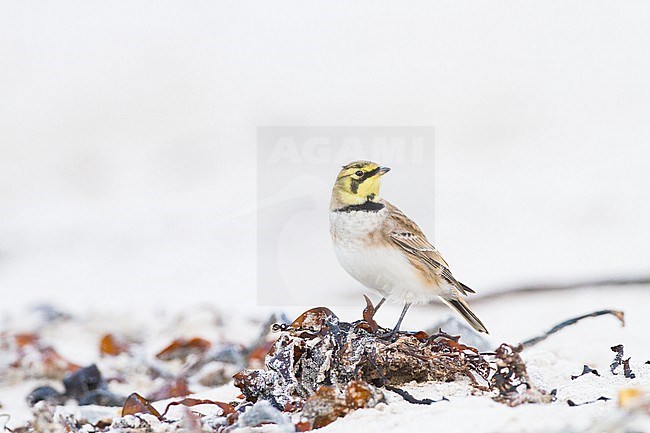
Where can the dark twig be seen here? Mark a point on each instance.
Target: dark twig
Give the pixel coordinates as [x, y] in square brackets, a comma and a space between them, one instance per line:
[532, 341]
[408, 397]
[561, 287]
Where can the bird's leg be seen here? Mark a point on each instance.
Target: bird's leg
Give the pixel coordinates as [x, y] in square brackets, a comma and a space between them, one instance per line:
[377, 306]
[399, 322]
[401, 317]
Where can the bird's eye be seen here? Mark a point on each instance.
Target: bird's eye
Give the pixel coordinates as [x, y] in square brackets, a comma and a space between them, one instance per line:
[359, 173]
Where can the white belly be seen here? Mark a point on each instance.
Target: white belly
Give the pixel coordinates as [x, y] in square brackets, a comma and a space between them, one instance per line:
[381, 268]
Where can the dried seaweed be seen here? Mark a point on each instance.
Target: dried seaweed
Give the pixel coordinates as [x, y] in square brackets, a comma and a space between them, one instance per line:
[319, 362]
[618, 361]
[586, 370]
[618, 358]
[627, 371]
[182, 348]
[601, 398]
[409, 398]
[532, 341]
[329, 403]
[135, 403]
[317, 356]
[318, 369]
[36, 359]
[227, 409]
[112, 345]
[511, 379]
[368, 314]
[317, 349]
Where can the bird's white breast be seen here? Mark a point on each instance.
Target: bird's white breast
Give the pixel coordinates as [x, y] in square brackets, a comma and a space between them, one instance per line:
[375, 262]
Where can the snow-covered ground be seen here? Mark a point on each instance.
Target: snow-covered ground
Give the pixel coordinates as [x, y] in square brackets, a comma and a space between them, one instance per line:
[550, 364]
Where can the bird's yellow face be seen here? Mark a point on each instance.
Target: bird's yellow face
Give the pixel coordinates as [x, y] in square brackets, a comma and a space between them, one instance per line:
[357, 183]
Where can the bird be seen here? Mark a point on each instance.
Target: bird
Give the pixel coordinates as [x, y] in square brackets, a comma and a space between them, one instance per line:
[379, 246]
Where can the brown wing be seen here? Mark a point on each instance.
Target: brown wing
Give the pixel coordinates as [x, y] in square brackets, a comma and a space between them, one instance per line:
[405, 234]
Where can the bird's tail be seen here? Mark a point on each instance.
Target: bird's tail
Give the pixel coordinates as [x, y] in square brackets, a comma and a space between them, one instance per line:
[463, 309]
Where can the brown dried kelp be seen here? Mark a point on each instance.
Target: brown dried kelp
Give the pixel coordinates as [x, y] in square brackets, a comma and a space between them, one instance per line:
[511, 379]
[317, 370]
[319, 350]
[227, 408]
[317, 356]
[321, 368]
[113, 345]
[28, 354]
[135, 403]
[181, 348]
[201, 362]
[328, 403]
[368, 314]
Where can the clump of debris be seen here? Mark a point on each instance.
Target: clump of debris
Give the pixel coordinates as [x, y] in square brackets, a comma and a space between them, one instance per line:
[319, 361]
[318, 350]
[318, 370]
[511, 379]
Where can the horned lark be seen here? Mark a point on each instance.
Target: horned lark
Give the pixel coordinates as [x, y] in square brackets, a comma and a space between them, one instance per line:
[387, 252]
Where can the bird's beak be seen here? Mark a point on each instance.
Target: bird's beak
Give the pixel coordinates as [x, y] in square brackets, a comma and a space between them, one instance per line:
[383, 170]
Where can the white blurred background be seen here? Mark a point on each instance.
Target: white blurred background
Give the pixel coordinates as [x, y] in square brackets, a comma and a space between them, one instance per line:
[128, 137]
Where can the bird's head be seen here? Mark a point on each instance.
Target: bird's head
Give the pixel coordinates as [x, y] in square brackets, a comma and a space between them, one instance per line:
[357, 183]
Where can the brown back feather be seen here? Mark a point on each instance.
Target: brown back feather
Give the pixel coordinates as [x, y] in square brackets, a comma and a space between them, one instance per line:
[404, 233]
